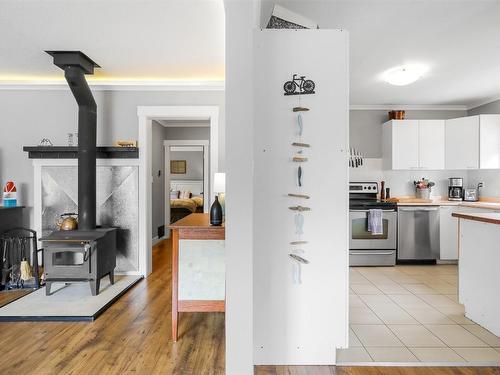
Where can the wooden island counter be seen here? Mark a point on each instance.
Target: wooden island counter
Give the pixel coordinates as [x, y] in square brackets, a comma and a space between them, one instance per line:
[198, 267]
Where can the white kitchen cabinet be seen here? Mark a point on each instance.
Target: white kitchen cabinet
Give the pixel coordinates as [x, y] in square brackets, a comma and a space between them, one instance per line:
[400, 144]
[448, 232]
[462, 143]
[413, 144]
[489, 141]
[431, 135]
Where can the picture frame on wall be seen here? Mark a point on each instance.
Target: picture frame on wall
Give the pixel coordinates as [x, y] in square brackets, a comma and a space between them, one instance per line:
[178, 166]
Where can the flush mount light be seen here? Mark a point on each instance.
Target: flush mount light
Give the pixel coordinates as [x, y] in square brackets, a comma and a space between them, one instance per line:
[404, 75]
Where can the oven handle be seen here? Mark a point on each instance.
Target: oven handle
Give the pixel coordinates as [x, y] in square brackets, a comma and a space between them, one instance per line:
[372, 253]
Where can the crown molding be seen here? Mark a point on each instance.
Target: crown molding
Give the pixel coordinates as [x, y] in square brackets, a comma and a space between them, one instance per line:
[118, 85]
[479, 103]
[407, 107]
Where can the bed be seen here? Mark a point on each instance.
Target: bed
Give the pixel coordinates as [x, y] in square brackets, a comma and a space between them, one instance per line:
[186, 197]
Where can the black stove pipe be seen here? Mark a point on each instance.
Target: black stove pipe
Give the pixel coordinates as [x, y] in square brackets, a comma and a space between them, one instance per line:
[75, 65]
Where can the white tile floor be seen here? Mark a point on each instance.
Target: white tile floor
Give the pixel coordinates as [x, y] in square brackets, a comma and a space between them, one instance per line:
[411, 314]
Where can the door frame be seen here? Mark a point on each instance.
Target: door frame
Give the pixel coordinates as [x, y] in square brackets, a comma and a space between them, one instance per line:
[146, 115]
[206, 172]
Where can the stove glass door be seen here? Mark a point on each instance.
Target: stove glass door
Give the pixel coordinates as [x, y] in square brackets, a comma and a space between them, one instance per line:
[360, 238]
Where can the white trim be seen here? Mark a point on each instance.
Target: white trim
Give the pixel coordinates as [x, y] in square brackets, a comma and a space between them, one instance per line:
[117, 85]
[207, 180]
[174, 124]
[407, 107]
[480, 103]
[186, 148]
[146, 115]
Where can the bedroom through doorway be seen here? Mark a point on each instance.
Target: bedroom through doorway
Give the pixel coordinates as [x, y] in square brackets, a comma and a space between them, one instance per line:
[180, 172]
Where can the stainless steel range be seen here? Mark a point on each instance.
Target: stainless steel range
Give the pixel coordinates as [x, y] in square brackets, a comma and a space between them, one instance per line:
[366, 248]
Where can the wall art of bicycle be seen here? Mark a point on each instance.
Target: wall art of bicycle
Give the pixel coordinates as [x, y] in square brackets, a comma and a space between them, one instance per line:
[299, 85]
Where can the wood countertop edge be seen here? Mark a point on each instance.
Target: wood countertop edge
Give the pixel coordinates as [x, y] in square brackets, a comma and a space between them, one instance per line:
[199, 221]
[491, 218]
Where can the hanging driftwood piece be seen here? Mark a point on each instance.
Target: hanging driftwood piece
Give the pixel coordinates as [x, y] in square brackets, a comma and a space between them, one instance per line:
[300, 109]
[299, 159]
[299, 208]
[299, 224]
[304, 196]
[298, 242]
[300, 124]
[298, 258]
[299, 144]
[299, 175]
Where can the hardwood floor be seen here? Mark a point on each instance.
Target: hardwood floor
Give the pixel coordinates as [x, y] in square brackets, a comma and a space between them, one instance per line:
[11, 295]
[331, 370]
[132, 336]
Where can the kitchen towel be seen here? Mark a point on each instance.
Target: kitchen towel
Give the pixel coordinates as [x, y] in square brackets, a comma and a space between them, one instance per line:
[375, 225]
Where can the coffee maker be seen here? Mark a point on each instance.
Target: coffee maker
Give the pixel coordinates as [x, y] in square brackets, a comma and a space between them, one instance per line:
[455, 188]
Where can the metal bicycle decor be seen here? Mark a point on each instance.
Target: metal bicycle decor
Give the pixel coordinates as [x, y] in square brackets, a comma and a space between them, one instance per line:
[299, 85]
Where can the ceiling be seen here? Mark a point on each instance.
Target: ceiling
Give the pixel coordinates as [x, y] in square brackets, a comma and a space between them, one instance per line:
[159, 40]
[183, 41]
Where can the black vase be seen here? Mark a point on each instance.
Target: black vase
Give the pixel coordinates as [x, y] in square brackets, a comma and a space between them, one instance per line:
[216, 213]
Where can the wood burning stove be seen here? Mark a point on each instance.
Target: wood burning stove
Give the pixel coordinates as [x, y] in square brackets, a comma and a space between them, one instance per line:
[75, 256]
[89, 253]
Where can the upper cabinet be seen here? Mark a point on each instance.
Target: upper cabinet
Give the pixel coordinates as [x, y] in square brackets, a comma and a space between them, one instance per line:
[489, 141]
[431, 144]
[413, 144]
[462, 143]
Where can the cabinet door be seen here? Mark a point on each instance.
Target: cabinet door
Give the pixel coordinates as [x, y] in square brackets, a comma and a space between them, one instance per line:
[489, 141]
[462, 143]
[405, 144]
[431, 144]
[448, 231]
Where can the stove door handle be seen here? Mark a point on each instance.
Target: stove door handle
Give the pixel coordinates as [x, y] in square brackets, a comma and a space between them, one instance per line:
[86, 254]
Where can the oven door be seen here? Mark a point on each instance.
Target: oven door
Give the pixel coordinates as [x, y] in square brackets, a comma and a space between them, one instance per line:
[360, 238]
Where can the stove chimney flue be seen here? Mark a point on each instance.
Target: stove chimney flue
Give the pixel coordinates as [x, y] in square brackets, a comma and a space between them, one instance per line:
[75, 65]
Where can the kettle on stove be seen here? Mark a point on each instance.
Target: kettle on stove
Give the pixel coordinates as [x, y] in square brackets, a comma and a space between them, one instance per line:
[67, 221]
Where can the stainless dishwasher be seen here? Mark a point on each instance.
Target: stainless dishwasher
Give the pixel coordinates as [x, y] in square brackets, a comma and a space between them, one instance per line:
[418, 233]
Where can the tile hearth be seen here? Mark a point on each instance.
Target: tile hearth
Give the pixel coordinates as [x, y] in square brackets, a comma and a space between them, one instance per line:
[411, 314]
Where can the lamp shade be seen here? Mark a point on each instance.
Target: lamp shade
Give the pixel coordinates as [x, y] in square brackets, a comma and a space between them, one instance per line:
[219, 182]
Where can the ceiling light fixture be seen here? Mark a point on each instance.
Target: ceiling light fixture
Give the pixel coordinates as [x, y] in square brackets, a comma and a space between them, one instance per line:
[404, 75]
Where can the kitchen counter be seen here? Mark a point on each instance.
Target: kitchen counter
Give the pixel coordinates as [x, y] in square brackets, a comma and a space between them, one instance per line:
[492, 218]
[479, 268]
[480, 204]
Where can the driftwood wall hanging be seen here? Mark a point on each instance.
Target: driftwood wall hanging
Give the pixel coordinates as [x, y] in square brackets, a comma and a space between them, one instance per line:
[299, 85]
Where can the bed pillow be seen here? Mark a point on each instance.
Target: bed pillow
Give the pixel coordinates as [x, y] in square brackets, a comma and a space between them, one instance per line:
[185, 194]
[174, 194]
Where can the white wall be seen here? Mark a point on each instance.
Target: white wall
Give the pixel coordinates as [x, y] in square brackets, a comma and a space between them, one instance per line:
[30, 115]
[300, 324]
[194, 165]
[241, 19]
[158, 182]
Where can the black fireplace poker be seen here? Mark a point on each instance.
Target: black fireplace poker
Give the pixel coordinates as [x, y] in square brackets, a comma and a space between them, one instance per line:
[75, 65]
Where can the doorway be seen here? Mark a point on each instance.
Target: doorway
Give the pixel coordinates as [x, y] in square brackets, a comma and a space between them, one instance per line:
[188, 182]
[146, 116]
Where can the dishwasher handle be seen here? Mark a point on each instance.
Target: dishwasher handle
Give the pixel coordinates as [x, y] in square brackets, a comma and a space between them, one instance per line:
[413, 209]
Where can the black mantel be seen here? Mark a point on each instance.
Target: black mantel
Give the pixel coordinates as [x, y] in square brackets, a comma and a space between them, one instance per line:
[66, 152]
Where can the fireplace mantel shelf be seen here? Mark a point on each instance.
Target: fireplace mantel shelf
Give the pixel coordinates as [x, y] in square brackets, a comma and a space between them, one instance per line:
[66, 152]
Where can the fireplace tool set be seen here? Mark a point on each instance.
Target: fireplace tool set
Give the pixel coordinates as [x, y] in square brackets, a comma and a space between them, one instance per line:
[19, 259]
